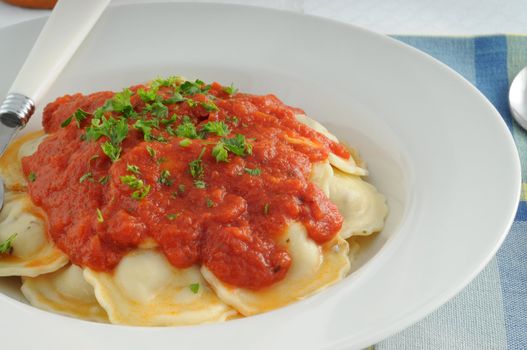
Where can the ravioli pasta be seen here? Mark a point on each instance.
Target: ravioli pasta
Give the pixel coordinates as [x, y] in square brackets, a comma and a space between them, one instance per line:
[146, 288]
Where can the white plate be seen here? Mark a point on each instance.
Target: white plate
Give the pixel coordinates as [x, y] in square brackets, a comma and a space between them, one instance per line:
[434, 145]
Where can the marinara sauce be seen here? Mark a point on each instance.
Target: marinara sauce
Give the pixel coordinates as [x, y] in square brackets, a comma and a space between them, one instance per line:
[209, 175]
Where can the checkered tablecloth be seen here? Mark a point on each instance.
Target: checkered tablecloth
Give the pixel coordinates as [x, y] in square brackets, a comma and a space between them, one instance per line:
[491, 312]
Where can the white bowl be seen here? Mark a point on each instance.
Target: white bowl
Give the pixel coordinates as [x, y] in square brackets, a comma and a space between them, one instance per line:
[434, 145]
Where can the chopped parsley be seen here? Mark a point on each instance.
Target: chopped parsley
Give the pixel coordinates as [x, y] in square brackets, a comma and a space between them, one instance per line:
[237, 145]
[196, 166]
[194, 288]
[164, 178]
[172, 216]
[233, 120]
[209, 203]
[190, 88]
[114, 129]
[6, 247]
[121, 103]
[254, 172]
[104, 180]
[175, 98]
[217, 127]
[141, 193]
[133, 169]
[146, 126]
[32, 177]
[200, 184]
[191, 103]
[170, 120]
[230, 90]
[209, 106]
[79, 116]
[181, 188]
[141, 190]
[220, 152]
[100, 218]
[186, 129]
[147, 96]
[88, 176]
[151, 151]
[185, 142]
[113, 152]
[157, 109]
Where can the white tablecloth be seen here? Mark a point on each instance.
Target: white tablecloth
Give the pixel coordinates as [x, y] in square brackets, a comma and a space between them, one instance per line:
[448, 17]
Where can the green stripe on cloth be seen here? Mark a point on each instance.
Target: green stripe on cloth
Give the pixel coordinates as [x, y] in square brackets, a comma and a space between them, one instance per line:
[491, 313]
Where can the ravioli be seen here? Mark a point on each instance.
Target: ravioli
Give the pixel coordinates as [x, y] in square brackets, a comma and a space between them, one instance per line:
[313, 268]
[361, 205]
[145, 290]
[321, 174]
[10, 162]
[66, 292]
[32, 252]
[350, 165]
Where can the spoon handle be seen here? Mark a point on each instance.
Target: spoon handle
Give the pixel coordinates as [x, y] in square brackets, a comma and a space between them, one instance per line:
[66, 28]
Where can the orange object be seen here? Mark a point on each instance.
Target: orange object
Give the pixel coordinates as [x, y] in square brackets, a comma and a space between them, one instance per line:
[34, 4]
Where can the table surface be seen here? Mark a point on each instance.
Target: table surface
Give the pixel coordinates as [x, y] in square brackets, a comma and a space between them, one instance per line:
[434, 17]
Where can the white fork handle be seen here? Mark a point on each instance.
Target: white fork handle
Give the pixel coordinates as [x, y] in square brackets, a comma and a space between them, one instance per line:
[67, 26]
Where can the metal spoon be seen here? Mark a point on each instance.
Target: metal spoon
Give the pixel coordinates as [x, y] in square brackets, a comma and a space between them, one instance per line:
[67, 26]
[518, 98]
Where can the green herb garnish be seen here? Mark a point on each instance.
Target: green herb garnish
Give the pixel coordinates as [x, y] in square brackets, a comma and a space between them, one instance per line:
[172, 216]
[217, 127]
[151, 151]
[146, 126]
[230, 90]
[79, 116]
[254, 172]
[164, 178]
[200, 184]
[187, 129]
[113, 152]
[100, 218]
[32, 177]
[133, 169]
[185, 143]
[141, 190]
[194, 288]
[104, 180]
[158, 109]
[196, 166]
[87, 176]
[209, 106]
[220, 152]
[181, 188]
[6, 246]
[238, 145]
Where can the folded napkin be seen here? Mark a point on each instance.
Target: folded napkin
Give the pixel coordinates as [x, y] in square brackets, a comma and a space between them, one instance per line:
[491, 312]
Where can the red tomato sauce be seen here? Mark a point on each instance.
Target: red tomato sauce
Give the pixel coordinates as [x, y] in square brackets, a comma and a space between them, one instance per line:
[231, 226]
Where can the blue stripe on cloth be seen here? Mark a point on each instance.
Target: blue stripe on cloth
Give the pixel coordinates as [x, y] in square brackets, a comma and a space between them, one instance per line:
[512, 258]
[457, 53]
[491, 72]
[521, 215]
